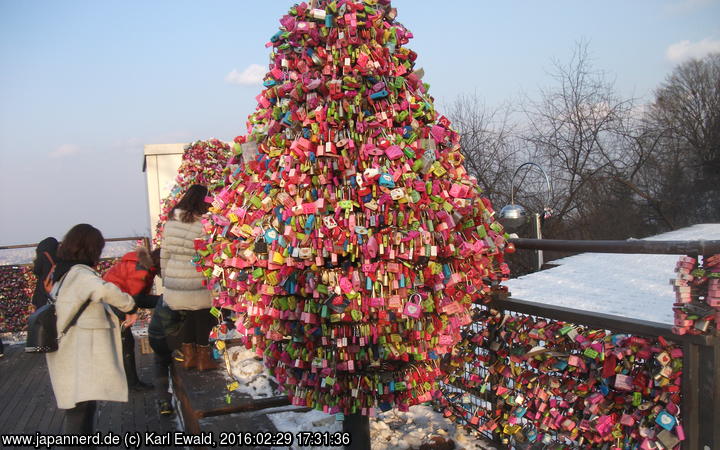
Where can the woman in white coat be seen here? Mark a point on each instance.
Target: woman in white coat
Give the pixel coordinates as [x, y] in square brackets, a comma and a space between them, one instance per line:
[88, 364]
[183, 288]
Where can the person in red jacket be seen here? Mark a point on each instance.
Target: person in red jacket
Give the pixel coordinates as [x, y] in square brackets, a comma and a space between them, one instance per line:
[134, 275]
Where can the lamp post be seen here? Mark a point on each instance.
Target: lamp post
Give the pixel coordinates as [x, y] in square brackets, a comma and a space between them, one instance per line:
[513, 216]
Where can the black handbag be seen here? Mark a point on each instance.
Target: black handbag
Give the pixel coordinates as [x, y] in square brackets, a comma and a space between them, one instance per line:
[42, 335]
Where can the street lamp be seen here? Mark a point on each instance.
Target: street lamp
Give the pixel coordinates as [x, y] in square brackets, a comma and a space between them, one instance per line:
[513, 216]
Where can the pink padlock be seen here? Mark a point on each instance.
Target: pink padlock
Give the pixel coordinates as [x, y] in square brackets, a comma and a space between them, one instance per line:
[346, 285]
[412, 307]
[393, 152]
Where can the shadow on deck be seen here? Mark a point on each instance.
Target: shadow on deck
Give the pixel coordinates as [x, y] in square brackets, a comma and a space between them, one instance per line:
[27, 402]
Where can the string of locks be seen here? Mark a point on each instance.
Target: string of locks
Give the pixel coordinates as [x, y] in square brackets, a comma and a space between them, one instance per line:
[697, 295]
[16, 289]
[352, 242]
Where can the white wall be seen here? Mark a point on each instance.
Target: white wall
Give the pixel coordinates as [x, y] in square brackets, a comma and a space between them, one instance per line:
[162, 162]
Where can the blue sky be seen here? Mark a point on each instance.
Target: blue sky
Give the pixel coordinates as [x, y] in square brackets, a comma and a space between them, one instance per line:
[85, 84]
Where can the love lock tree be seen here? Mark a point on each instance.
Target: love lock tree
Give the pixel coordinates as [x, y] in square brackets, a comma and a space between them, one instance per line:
[353, 243]
[203, 162]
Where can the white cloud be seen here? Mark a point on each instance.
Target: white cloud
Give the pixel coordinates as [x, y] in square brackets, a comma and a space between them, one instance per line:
[253, 74]
[683, 50]
[65, 150]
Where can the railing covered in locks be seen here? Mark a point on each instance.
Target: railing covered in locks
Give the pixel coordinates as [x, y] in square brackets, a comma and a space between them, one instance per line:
[17, 281]
[528, 375]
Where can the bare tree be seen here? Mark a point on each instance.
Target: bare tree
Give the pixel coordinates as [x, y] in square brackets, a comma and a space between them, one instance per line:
[617, 171]
[581, 131]
[489, 144]
[683, 126]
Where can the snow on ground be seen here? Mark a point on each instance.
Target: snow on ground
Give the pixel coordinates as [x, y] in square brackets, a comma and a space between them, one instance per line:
[13, 338]
[392, 430]
[400, 430]
[295, 422]
[635, 286]
[251, 374]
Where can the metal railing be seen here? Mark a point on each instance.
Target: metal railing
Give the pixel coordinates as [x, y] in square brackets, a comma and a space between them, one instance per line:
[480, 408]
[17, 283]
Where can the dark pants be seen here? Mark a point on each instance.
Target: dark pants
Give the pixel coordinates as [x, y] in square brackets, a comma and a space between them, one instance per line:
[128, 340]
[146, 300]
[81, 418]
[162, 360]
[128, 349]
[197, 327]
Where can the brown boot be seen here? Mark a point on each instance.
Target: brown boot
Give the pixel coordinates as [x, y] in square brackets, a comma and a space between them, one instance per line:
[204, 358]
[189, 356]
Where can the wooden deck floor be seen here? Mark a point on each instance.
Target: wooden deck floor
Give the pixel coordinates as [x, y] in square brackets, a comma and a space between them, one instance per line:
[27, 402]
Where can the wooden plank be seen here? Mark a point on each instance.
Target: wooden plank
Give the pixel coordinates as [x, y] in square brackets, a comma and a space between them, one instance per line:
[189, 418]
[689, 406]
[598, 320]
[41, 395]
[15, 365]
[45, 419]
[716, 397]
[24, 415]
[207, 395]
[248, 406]
[58, 421]
[24, 387]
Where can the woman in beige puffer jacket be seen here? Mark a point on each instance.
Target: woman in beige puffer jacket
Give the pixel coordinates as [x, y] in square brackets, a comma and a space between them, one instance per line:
[183, 288]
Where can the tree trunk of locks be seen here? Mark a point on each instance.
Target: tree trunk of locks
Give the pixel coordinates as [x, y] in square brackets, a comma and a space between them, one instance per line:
[354, 243]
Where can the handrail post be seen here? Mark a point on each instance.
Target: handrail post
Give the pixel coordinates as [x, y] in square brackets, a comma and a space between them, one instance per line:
[359, 428]
[690, 405]
[716, 393]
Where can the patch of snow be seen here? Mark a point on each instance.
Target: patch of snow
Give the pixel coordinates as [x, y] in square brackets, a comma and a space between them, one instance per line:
[629, 285]
[392, 430]
[251, 374]
[14, 338]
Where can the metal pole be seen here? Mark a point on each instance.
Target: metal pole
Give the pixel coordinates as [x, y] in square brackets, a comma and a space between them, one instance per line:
[359, 428]
[538, 234]
[547, 180]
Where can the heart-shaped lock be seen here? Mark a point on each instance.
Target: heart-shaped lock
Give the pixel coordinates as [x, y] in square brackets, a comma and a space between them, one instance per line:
[412, 307]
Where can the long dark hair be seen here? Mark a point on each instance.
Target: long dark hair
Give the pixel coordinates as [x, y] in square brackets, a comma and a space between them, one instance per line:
[192, 204]
[83, 243]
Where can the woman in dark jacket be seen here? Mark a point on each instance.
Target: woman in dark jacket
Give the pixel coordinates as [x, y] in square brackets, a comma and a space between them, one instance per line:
[41, 268]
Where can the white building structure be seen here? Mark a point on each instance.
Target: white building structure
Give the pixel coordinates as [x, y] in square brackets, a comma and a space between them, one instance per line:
[161, 164]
